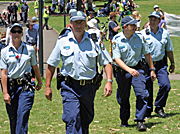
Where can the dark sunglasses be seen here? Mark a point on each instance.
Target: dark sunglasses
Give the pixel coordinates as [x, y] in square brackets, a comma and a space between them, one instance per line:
[16, 31]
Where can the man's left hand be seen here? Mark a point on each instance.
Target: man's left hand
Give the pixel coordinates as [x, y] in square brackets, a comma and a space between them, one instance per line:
[108, 89]
[171, 68]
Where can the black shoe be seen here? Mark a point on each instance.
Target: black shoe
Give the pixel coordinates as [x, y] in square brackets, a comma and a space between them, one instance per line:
[141, 126]
[124, 124]
[160, 112]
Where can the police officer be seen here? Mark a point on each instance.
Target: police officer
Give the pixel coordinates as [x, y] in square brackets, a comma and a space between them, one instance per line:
[79, 54]
[24, 10]
[10, 12]
[128, 48]
[16, 62]
[15, 9]
[160, 47]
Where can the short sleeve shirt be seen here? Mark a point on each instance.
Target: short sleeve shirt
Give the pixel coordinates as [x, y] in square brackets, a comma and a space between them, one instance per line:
[158, 43]
[129, 51]
[79, 59]
[17, 66]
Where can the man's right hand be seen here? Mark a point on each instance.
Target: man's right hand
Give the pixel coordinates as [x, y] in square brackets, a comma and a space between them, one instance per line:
[48, 93]
[133, 72]
[7, 98]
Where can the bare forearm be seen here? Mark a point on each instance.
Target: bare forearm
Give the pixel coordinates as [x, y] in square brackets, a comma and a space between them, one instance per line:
[170, 56]
[4, 81]
[49, 73]
[149, 60]
[108, 70]
[122, 65]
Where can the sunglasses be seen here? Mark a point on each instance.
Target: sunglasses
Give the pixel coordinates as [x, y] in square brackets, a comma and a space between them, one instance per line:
[16, 31]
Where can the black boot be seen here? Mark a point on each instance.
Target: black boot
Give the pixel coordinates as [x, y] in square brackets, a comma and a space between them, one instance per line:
[141, 126]
[160, 112]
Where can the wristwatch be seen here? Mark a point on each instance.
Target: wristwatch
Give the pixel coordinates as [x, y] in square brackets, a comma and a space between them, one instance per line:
[40, 84]
[153, 69]
[110, 80]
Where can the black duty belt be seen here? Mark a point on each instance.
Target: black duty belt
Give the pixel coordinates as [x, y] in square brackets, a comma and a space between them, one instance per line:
[158, 62]
[82, 82]
[32, 43]
[138, 66]
[17, 81]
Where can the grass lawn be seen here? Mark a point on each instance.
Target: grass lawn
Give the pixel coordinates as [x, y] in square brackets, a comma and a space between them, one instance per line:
[46, 116]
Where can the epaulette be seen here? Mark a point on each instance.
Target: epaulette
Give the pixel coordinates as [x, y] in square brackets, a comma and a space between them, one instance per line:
[138, 32]
[27, 43]
[65, 34]
[64, 31]
[4, 46]
[116, 37]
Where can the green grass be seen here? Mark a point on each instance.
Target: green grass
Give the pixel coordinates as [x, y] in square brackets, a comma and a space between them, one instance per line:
[46, 116]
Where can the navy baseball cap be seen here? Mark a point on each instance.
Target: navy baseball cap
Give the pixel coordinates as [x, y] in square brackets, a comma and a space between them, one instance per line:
[16, 25]
[77, 15]
[128, 20]
[155, 14]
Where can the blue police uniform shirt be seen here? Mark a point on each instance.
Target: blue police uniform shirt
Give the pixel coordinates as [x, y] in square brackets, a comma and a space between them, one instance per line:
[79, 59]
[8, 60]
[158, 43]
[24, 7]
[129, 51]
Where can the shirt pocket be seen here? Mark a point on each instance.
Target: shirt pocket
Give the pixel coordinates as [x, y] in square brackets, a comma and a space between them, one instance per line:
[67, 56]
[89, 58]
[137, 47]
[123, 49]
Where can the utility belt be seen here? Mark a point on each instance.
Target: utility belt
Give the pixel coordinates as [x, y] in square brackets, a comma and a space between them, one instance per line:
[138, 66]
[164, 60]
[96, 80]
[32, 43]
[25, 82]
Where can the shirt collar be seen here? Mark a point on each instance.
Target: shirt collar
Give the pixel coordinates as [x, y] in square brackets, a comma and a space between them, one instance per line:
[71, 36]
[124, 37]
[160, 30]
[22, 44]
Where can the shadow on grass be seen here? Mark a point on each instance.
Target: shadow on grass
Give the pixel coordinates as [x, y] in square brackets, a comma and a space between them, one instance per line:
[167, 115]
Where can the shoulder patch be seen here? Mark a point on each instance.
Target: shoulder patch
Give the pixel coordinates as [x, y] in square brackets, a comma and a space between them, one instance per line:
[114, 45]
[101, 45]
[116, 37]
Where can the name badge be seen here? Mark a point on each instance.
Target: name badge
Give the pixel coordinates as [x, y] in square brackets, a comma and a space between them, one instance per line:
[122, 46]
[67, 47]
[11, 55]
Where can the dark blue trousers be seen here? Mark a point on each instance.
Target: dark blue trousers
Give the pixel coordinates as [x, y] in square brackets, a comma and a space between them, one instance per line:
[19, 110]
[124, 81]
[164, 86]
[78, 107]
[24, 16]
